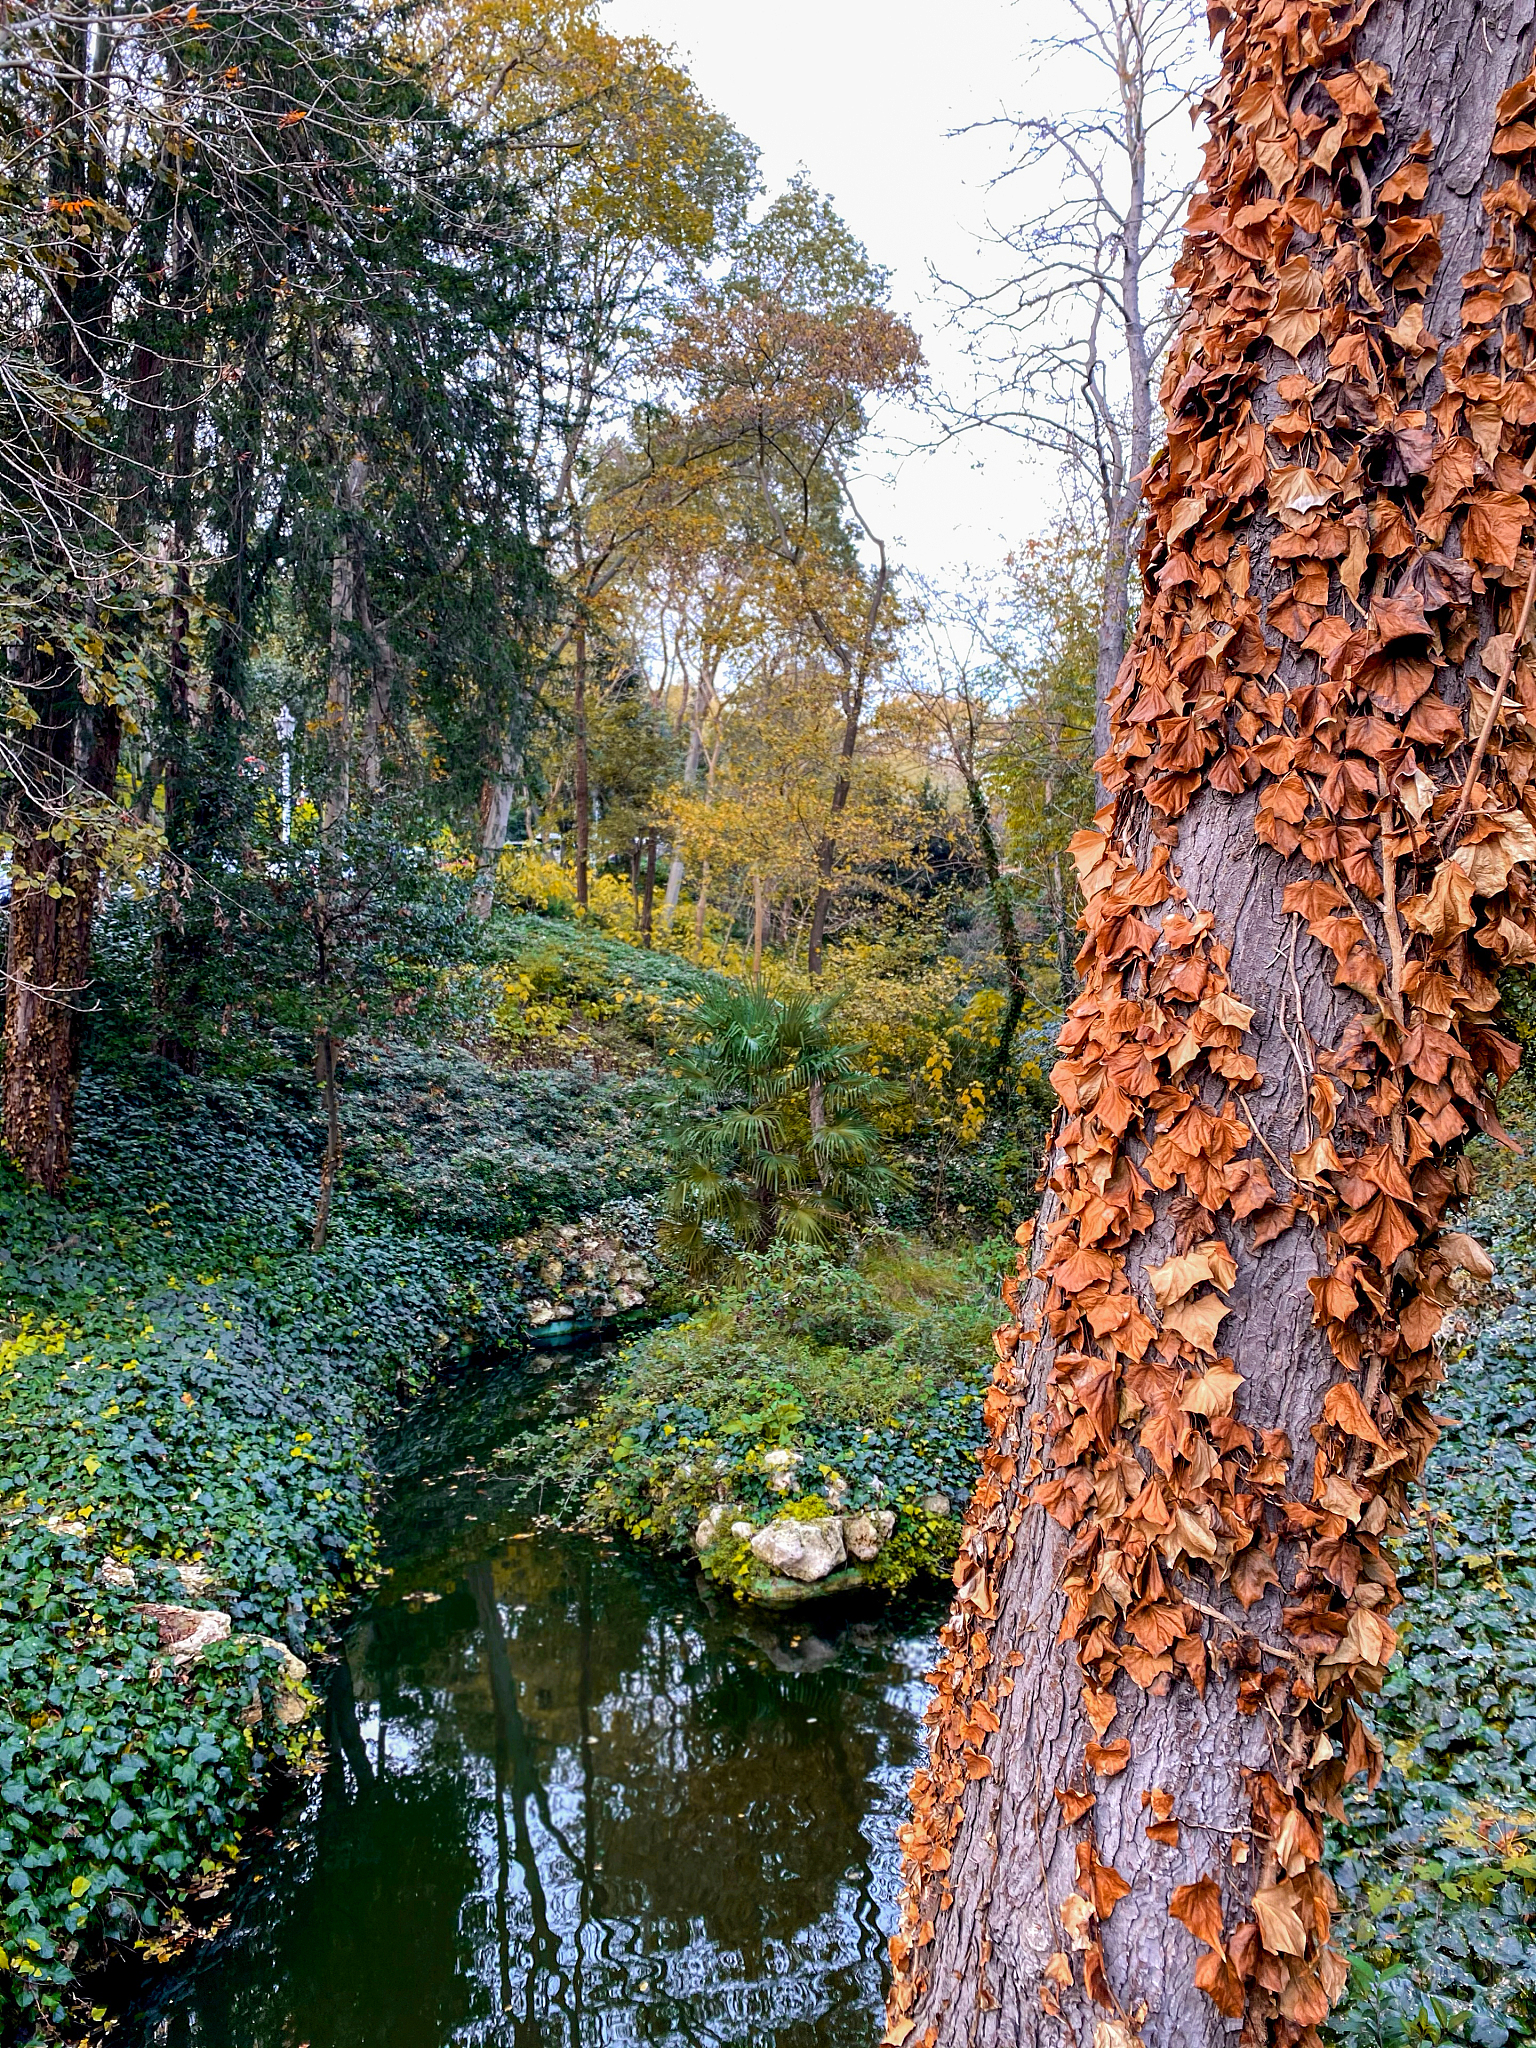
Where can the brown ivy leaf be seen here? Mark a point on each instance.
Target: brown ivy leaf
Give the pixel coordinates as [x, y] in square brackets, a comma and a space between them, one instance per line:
[1493, 528]
[1198, 1906]
[1253, 1573]
[1197, 1321]
[1466, 1254]
[1212, 1393]
[1075, 1804]
[1108, 1759]
[1181, 1275]
[1342, 1405]
[1076, 1915]
[1102, 1882]
[1095, 1983]
[1215, 1976]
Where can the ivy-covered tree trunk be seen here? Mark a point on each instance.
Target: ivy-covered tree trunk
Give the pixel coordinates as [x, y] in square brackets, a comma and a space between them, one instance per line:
[1173, 1596]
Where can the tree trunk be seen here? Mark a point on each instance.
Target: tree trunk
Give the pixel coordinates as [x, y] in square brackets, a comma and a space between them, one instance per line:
[699, 904]
[1007, 931]
[72, 748]
[648, 896]
[1215, 1387]
[582, 797]
[346, 581]
[495, 811]
[757, 927]
[327, 1054]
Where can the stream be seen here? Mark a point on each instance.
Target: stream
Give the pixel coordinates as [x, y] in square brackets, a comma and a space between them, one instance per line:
[572, 1795]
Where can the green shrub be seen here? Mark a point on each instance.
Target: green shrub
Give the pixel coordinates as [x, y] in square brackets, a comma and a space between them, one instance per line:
[877, 1389]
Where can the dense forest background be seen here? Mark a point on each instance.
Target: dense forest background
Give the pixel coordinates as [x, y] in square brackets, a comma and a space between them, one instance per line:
[432, 482]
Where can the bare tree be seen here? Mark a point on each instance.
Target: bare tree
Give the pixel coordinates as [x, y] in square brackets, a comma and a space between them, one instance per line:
[1067, 344]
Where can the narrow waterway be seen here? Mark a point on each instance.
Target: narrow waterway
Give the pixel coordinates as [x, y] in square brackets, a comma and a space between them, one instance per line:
[572, 1796]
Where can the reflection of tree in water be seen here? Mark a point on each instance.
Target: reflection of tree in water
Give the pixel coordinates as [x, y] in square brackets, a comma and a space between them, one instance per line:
[340, 1938]
[566, 1807]
[707, 1838]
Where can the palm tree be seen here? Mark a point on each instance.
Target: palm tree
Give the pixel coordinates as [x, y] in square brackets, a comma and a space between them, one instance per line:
[769, 1127]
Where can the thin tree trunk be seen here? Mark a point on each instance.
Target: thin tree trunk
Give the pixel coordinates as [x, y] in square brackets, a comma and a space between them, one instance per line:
[648, 897]
[326, 1055]
[1007, 931]
[582, 797]
[1215, 1384]
[346, 578]
[757, 927]
[495, 810]
[699, 903]
[690, 778]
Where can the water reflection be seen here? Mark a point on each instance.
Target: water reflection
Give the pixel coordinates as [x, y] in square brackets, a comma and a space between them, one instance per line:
[573, 1799]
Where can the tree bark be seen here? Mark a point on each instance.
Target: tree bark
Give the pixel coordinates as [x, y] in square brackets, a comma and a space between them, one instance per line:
[327, 1056]
[1171, 1593]
[346, 590]
[71, 753]
[1007, 929]
[495, 811]
[648, 894]
[583, 797]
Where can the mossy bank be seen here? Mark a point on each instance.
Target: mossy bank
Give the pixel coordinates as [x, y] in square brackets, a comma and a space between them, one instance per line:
[812, 1430]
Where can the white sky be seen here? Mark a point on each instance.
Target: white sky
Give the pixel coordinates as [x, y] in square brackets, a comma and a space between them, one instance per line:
[863, 94]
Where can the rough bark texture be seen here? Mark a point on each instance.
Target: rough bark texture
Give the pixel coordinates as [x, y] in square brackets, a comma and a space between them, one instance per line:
[1010, 1935]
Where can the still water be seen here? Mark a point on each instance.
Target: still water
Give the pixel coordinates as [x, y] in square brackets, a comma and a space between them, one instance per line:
[572, 1796]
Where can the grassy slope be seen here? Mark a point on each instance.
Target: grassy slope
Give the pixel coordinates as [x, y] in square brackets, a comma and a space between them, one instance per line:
[873, 1376]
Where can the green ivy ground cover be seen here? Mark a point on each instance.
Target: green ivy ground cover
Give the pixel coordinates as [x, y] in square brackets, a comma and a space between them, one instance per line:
[183, 1382]
[1437, 1867]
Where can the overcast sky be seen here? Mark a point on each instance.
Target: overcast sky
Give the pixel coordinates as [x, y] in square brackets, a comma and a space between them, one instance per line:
[863, 94]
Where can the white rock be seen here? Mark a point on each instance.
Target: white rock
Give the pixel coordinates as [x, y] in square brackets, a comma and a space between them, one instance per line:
[196, 1579]
[289, 1706]
[708, 1531]
[742, 1530]
[801, 1550]
[865, 1535]
[936, 1504]
[780, 1467]
[119, 1576]
[185, 1631]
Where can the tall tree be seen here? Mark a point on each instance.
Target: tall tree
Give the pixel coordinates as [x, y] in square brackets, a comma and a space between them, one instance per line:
[782, 363]
[640, 180]
[1069, 341]
[1172, 1594]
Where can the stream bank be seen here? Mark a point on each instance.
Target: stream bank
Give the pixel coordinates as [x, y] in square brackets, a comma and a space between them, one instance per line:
[572, 1793]
[188, 1397]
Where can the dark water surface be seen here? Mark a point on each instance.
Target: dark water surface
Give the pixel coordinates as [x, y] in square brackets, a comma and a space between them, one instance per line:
[571, 1798]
